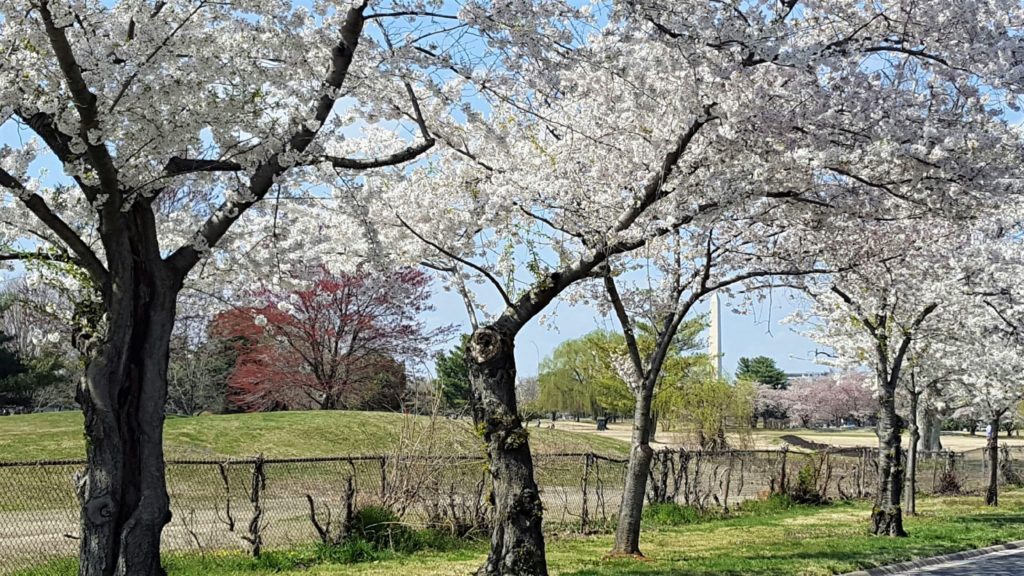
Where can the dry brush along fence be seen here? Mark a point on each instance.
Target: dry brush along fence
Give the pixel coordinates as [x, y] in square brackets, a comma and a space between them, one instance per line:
[255, 504]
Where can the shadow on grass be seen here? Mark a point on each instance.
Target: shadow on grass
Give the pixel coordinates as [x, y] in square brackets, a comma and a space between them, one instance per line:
[825, 555]
[994, 519]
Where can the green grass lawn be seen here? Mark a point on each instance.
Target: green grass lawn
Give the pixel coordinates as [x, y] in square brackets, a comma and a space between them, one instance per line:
[56, 436]
[800, 540]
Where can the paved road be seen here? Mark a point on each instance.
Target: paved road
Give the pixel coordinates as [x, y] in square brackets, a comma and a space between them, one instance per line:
[1002, 563]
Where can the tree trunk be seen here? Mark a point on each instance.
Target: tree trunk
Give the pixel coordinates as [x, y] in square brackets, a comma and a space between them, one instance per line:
[992, 493]
[627, 533]
[915, 437]
[886, 515]
[123, 491]
[931, 429]
[517, 540]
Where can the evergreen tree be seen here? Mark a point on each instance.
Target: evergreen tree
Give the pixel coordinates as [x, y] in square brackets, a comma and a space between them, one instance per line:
[453, 376]
[762, 370]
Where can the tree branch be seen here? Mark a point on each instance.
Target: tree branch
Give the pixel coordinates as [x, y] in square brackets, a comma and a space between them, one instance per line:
[905, 343]
[35, 203]
[43, 256]
[490, 277]
[627, 325]
[263, 178]
[177, 166]
[653, 189]
[399, 157]
[85, 103]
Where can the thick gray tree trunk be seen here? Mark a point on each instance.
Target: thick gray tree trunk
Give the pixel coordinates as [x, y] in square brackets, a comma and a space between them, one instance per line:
[627, 533]
[992, 493]
[517, 539]
[887, 515]
[931, 429]
[123, 491]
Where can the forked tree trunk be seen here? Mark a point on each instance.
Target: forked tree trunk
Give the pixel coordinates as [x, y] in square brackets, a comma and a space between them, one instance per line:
[123, 492]
[992, 493]
[517, 539]
[627, 533]
[887, 515]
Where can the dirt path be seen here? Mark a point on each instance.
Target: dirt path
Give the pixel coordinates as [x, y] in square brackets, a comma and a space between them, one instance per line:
[765, 439]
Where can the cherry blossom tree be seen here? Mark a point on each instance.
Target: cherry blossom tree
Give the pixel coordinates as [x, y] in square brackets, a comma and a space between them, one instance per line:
[688, 266]
[872, 315]
[673, 114]
[169, 124]
[828, 399]
[904, 299]
[987, 362]
[927, 377]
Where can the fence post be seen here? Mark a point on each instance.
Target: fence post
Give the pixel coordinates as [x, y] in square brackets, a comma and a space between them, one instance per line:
[585, 513]
[728, 482]
[783, 489]
[383, 477]
[259, 484]
[860, 472]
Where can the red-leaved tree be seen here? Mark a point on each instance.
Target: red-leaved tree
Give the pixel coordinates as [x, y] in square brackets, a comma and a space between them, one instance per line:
[342, 343]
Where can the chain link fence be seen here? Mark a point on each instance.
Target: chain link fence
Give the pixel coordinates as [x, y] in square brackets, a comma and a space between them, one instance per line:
[257, 503]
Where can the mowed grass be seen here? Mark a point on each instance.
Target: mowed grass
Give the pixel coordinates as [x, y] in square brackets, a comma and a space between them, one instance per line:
[59, 436]
[800, 540]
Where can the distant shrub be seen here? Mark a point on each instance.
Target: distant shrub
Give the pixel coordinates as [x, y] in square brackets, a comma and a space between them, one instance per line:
[383, 530]
[770, 505]
[948, 483]
[353, 550]
[805, 490]
[669, 514]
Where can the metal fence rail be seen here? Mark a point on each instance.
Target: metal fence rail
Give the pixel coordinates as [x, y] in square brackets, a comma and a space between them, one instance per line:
[236, 504]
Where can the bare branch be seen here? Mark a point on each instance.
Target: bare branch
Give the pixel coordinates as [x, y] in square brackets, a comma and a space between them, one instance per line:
[653, 189]
[177, 166]
[627, 325]
[377, 15]
[490, 277]
[399, 157]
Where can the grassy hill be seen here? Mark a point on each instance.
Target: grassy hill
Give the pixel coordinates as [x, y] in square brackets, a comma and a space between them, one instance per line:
[286, 434]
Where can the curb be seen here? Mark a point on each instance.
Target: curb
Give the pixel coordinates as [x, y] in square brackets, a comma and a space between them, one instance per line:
[936, 560]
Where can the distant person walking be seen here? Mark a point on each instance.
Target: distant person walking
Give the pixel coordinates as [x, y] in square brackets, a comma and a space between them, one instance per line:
[988, 432]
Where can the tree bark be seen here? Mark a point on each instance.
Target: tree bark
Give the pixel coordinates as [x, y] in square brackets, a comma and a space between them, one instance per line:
[992, 493]
[887, 515]
[931, 429]
[627, 533]
[915, 437]
[123, 492]
[517, 539]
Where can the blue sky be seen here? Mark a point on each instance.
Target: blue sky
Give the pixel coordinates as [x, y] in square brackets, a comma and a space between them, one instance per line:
[756, 333]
